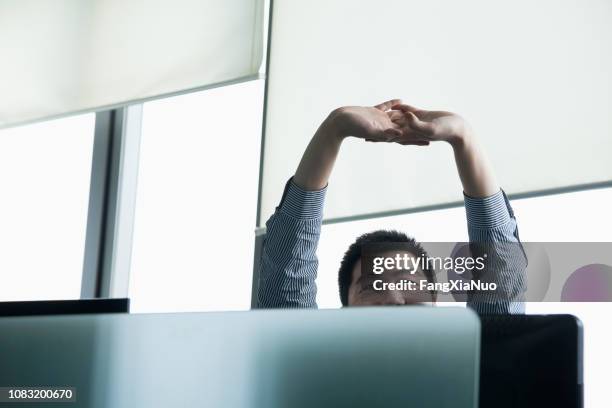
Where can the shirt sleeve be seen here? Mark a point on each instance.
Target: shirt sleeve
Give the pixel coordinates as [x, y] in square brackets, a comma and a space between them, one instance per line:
[493, 231]
[289, 263]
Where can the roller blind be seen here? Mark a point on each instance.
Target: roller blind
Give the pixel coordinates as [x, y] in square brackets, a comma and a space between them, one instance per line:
[532, 77]
[64, 56]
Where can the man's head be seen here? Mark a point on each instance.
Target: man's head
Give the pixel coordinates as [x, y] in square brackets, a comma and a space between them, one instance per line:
[352, 284]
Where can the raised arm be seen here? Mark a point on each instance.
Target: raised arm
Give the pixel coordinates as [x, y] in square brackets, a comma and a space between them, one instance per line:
[370, 123]
[492, 226]
[288, 267]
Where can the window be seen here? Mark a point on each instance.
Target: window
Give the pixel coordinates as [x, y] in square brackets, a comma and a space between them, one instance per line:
[197, 200]
[44, 174]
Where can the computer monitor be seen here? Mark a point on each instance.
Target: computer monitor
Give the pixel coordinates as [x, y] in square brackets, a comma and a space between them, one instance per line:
[531, 361]
[62, 307]
[358, 357]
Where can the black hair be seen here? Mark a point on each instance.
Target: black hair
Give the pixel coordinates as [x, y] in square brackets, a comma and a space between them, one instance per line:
[353, 254]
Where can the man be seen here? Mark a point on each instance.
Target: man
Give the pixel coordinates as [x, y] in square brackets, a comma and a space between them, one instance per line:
[289, 264]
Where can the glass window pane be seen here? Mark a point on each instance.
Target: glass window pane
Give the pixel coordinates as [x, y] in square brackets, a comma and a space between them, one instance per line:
[573, 217]
[196, 202]
[44, 173]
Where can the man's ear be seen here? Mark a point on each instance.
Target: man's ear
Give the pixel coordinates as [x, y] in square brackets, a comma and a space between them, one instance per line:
[356, 272]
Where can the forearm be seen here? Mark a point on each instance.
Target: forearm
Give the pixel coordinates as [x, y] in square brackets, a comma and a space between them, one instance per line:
[473, 166]
[320, 156]
[289, 263]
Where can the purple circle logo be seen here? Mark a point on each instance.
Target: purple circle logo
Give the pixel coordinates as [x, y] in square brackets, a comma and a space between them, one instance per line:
[590, 283]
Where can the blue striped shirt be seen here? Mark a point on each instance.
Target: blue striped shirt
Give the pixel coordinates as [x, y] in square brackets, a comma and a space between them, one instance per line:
[289, 264]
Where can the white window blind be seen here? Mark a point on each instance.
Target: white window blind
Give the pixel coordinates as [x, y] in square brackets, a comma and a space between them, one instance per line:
[532, 77]
[64, 56]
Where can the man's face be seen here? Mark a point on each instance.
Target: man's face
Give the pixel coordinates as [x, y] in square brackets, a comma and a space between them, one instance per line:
[362, 289]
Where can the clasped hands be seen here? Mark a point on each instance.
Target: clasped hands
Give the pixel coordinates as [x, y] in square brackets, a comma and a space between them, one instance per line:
[395, 122]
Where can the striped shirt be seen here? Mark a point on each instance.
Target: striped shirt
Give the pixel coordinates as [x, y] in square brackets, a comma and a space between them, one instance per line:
[289, 264]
